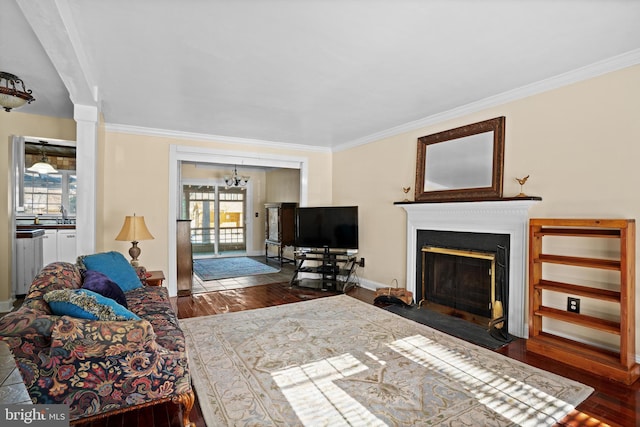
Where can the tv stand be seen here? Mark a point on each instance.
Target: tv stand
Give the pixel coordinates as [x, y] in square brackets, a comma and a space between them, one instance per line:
[329, 269]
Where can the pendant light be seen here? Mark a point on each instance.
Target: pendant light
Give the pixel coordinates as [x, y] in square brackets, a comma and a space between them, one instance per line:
[42, 167]
[13, 94]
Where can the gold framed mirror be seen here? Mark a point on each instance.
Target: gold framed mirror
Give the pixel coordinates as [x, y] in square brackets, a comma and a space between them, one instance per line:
[465, 163]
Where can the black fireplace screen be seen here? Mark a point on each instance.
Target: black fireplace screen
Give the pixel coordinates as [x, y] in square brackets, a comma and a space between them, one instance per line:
[466, 271]
[459, 279]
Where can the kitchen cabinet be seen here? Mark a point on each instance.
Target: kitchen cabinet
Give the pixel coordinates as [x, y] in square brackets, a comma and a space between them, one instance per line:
[59, 245]
[28, 259]
[66, 246]
[49, 246]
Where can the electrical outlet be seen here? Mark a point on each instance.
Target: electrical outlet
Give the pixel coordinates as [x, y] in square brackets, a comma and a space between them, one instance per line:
[573, 305]
[361, 263]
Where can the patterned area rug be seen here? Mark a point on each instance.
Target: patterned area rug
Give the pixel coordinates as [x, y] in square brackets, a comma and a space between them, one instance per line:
[223, 268]
[337, 361]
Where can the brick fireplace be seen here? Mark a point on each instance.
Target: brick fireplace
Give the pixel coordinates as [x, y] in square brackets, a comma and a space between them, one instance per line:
[507, 219]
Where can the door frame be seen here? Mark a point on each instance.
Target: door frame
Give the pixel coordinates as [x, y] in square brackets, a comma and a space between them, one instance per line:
[178, 154]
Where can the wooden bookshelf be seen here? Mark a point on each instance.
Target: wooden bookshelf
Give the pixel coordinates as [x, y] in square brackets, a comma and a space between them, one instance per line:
[619, 366]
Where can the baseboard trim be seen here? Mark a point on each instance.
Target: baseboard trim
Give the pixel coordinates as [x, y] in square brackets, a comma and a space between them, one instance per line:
[370, 284]
[6, 305]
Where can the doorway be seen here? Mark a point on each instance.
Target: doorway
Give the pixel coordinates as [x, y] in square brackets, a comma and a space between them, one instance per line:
[179, 155]
[218, 219]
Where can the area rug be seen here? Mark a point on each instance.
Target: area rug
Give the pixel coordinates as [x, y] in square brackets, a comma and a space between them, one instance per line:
[224, 268]
[337, 361]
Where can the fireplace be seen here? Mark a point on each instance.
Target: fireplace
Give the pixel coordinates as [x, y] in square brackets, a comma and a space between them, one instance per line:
[465, 275]
[508, 217]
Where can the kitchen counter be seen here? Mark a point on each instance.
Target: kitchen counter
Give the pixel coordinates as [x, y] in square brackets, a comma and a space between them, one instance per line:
[29, 233]
[20, 227]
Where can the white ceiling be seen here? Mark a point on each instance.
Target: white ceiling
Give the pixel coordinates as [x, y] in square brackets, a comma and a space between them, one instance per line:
[320, 73]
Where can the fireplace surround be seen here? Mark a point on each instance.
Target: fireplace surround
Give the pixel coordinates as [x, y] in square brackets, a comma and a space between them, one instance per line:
[505, 217]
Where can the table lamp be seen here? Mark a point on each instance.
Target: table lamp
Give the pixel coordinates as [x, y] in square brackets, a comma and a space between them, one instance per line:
[133, 230]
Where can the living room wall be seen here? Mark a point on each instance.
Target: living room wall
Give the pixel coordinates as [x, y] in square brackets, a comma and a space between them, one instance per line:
[136, 179]
[283, 185]
[16, 123]
[580, 144]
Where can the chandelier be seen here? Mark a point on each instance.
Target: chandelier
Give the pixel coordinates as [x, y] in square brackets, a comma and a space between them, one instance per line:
[13, 94]
[235, 180]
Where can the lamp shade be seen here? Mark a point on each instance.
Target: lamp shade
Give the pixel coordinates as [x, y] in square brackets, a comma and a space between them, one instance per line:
[8, 102]
[134, 229]
[42, 168]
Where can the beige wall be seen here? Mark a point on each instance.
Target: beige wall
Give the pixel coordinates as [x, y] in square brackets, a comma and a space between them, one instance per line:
[136, 179]
[16, 123]
[283, 185]
[579, 143]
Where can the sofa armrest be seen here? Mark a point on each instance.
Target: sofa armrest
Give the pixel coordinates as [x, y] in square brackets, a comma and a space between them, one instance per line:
[26, 321]
[96, 367]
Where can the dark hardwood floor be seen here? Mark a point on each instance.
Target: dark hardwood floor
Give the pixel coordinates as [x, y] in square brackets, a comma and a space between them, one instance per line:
[611, 404]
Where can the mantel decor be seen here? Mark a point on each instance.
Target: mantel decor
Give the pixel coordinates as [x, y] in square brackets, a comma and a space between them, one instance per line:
[462, 163]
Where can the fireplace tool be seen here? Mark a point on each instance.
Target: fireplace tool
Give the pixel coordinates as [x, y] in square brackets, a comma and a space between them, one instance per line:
[497, 325]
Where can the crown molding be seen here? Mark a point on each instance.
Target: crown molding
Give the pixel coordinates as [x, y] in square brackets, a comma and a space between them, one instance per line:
[192, 136]
[596, 69]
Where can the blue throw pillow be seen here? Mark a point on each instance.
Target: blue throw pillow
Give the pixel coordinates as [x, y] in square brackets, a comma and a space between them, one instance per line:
[101, 284]
[86, 304]
[115, 266]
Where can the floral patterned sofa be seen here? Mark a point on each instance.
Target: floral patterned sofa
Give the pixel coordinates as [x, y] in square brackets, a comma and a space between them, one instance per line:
[99, 367]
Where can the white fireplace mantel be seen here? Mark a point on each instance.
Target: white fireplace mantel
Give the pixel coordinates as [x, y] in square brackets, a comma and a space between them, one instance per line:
[499, 217]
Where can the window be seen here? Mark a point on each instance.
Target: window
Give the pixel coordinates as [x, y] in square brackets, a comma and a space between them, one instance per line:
[231, 216]
[45, 194]
[217, 218]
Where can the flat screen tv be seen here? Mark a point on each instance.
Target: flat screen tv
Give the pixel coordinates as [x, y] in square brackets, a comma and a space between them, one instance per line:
[331, 227]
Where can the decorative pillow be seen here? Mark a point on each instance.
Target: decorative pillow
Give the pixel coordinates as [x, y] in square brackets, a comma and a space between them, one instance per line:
[115, 266]
[86, 304]
[101, 284]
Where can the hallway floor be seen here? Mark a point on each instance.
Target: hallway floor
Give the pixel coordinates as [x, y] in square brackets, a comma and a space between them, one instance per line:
[284, 275]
